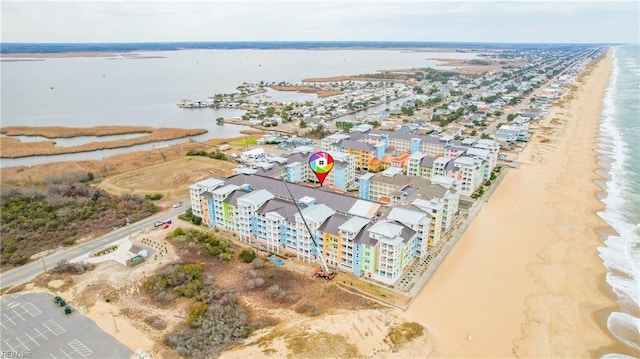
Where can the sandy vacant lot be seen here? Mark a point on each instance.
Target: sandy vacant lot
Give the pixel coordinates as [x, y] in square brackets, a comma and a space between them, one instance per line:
[171, 178]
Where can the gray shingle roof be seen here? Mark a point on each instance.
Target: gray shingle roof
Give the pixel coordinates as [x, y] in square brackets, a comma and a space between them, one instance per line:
[427, 161]
[284, 208]
[356, 145]
[232, 199]
[363, 236]
[339, 202]
[333, 223]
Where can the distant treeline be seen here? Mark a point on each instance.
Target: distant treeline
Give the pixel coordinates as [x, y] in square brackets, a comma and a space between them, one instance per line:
[14, 47]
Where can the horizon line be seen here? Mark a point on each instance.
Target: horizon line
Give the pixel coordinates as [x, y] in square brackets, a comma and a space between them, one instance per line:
[312, 41]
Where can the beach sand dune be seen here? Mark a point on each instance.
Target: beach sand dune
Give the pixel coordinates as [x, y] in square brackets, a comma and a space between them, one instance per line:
[525, 280]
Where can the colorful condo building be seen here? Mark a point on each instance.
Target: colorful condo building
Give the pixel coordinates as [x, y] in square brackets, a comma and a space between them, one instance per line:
[470, 161]
[295, 168]
[357, 235]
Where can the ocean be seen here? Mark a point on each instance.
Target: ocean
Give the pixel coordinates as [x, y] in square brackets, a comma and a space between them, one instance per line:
[144, 91]
[619, 147]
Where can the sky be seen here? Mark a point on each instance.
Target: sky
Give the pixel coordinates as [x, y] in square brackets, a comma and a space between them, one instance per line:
[306, 20]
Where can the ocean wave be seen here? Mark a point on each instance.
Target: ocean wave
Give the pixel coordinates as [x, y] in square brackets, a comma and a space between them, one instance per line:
[621, 253]
[626, 328]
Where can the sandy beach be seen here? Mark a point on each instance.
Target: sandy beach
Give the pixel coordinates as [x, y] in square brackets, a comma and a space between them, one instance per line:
[525, 280]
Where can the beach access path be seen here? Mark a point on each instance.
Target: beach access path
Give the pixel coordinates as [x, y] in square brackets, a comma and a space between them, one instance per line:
[525, 279]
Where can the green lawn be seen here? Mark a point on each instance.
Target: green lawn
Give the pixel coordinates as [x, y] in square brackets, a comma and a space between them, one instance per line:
[244, 142]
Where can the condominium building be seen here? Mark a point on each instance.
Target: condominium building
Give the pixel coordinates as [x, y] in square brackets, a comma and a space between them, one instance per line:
[470, 174]
[198, 188]
[295, 168]
[351, 233]
[438, 203]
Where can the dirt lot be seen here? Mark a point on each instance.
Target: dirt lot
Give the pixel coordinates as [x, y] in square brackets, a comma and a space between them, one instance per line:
[309, 89]
[467, 68]
[171, 178]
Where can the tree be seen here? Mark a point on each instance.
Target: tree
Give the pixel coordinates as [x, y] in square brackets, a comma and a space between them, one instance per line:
[473, 108]
[302, 124]
[418, 90]
[247, 255]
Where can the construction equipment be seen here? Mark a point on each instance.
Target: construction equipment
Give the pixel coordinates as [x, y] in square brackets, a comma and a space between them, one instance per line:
[318, 272]
[324, 271]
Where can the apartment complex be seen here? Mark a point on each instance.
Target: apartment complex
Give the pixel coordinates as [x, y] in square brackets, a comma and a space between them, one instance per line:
[469, 161]
[353, 234]
[295, 168]
[434, 204]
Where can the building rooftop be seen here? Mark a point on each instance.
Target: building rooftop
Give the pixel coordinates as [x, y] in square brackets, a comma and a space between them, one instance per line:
[209, 183]
[317, 213]
[391, 172]
[362, 208]
[480, 152]
[468, 161]
[356, 145]
[284, 208]
[363, 236]
[354, 224]
[225, 190]
[257, 197]
[233, 197]
[406, 216]
[427, 161]
[333, 224]
[386, 229]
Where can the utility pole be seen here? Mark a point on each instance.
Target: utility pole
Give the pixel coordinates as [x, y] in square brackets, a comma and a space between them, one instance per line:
[114, 321]
[43, 266]
[128, 227]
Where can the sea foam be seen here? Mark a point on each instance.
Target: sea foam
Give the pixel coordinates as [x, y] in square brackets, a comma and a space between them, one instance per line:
[621, 255]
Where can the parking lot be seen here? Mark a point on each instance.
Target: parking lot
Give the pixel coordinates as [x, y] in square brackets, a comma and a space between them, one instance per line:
[33, 326]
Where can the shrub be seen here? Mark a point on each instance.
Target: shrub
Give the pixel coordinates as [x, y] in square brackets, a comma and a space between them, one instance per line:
[155, 322]
[316, 311]
[255, 283]
[73, 268]
[247, 255]
[302, 307]
[402, 334]
[223, 323]
[154, 196]
[272, 291]
[258, 263]
[178, 232]
[197, 311]
[18, 260]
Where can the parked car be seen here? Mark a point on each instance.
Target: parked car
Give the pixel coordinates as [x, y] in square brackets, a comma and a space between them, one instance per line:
[158, 224]
[177, 205]
[67, 309]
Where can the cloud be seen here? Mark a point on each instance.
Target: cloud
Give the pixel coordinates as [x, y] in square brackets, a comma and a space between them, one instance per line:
[246, 20]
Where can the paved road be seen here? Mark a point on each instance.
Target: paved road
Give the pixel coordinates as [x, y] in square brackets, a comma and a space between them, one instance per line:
[30, 270]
